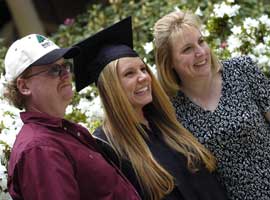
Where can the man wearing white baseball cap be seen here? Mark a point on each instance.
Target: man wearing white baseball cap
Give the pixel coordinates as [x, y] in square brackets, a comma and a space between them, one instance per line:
[53, 158]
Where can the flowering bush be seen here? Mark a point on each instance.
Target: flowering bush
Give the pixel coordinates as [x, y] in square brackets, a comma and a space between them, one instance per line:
[231, 29]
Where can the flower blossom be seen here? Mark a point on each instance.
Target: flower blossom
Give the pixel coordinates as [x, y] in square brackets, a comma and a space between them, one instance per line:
[220, 10]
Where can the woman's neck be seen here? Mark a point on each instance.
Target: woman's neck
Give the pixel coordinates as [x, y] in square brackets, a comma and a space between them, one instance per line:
[204, 92]
[141, 117]
[198, 86]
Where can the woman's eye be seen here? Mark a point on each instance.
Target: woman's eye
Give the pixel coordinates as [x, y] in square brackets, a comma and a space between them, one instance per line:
[129, 73]
[143, 69]
[186, 49]
[201, 41]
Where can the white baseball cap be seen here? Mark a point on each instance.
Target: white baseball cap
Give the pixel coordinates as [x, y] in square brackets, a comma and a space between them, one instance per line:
[33, 50]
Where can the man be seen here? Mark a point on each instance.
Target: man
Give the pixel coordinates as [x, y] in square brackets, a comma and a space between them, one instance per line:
[53, 158]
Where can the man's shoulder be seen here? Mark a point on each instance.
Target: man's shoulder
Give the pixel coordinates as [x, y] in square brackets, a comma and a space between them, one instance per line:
[33, 136]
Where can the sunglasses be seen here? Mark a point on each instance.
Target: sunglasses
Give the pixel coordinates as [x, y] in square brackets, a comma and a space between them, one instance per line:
[57, 70]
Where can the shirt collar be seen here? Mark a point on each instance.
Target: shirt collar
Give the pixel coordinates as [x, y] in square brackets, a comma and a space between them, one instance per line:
[41, 118]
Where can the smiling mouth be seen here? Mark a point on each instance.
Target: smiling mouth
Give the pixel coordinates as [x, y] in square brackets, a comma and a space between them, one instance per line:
[142, 90]
[201, 63]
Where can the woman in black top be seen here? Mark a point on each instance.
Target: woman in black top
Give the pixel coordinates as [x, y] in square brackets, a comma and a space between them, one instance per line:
[160, 157]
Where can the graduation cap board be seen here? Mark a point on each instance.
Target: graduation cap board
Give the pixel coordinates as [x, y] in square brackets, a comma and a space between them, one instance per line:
[100, 49]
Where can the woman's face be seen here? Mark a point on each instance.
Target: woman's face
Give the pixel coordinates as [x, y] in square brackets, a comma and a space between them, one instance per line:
[135, 81]
[191, 56]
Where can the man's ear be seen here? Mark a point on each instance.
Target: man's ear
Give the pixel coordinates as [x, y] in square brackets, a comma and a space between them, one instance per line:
[22, 86]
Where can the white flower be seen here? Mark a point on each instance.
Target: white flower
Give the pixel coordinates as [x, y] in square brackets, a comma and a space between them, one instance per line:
[2, 81]
[2, 154]
[236, 54]
[234, 10]
[230, 1]
[233, 43]
[148, 47]
[92, 109]
[3, 183]
[236, 30]
[85, 90]
[223, 9]
[3, 171]
[263, 60]
[260, 49]
[204, 31]
[176, 8]
[83, 105]
[7, 120]
[253, 57]
[250, 23]
[264, 19]
[199, 11]
[69, 109]
[218, 12]
[8, 136]
[266, 39]
[252, 40]
[153, 69]
[95, 111]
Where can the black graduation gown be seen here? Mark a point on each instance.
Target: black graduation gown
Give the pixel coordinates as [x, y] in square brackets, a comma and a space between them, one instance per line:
[201, 185]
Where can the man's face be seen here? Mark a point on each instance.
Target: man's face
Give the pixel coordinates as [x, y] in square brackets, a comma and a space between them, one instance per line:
[49, 88]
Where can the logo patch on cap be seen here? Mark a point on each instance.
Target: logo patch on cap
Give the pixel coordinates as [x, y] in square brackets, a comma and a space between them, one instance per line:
[44, 41]
[40, 38]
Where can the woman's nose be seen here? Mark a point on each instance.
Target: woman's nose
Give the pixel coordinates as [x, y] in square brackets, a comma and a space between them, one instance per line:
[142, 76]
[199, 51]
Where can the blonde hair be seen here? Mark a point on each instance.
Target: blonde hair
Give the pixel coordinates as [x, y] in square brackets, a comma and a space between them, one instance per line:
[165, 29]
[126, 135]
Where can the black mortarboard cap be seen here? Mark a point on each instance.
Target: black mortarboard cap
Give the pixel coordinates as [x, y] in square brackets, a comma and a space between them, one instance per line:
[100, 49]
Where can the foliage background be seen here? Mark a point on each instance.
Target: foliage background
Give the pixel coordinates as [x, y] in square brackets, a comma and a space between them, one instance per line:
[232, 28]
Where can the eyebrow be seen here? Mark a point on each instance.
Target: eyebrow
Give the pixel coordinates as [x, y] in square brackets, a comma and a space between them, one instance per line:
[131, 67]
[189, 44]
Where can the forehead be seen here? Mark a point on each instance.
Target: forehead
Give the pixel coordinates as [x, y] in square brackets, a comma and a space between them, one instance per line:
[185, 34]
[129, 62]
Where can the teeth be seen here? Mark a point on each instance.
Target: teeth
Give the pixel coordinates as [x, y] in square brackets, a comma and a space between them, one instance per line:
[142, 90]
[201, 63]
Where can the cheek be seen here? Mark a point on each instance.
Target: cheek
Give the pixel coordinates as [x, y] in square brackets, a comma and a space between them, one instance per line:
[128, 89]
[67, 92]
[179, 66]
[178, 60]
[207, 50]
[126, 84]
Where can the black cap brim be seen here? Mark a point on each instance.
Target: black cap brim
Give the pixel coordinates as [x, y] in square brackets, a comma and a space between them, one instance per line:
[56, 54]
[94, 57]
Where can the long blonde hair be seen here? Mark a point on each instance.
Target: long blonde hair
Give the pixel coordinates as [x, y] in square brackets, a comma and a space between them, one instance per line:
[165, 29]
[126, 135]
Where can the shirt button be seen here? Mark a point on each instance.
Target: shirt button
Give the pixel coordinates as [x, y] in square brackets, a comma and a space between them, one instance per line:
[90, 156]
[78, 134]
